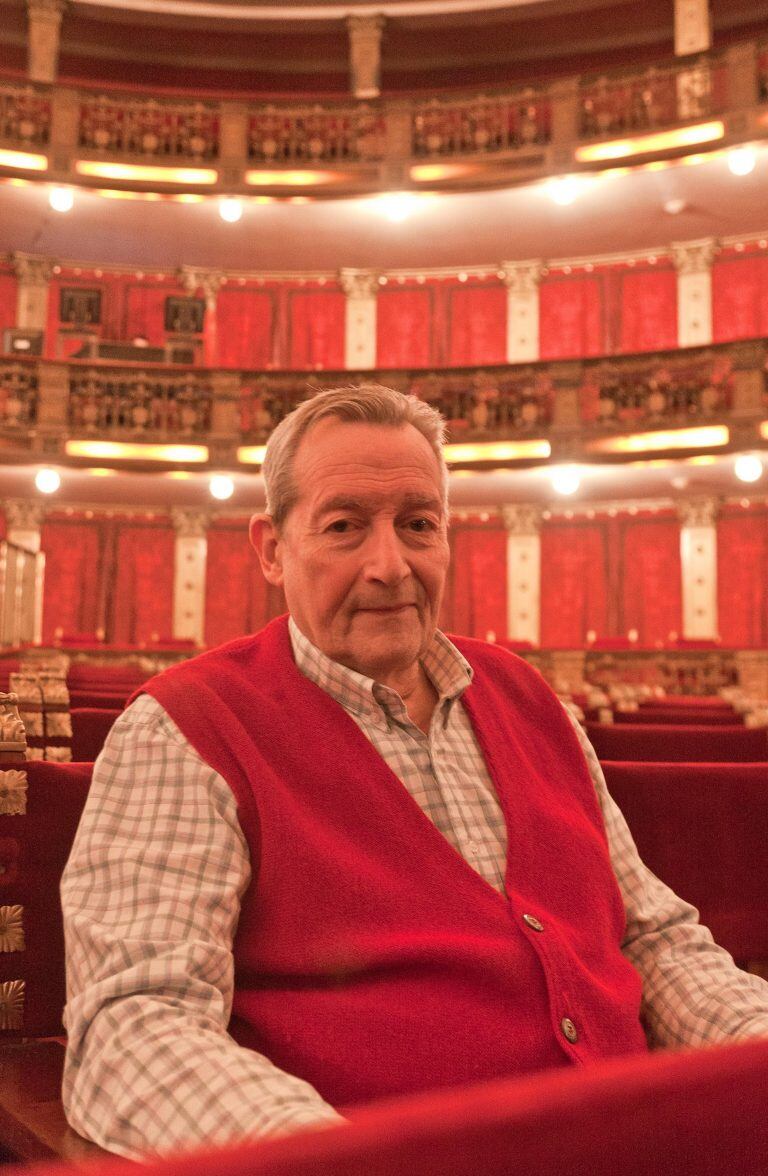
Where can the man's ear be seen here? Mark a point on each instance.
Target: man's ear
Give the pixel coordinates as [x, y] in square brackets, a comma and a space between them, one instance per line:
[265, 540]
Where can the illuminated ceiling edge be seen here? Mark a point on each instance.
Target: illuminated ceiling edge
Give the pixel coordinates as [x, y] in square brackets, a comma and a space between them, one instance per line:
[318, 11]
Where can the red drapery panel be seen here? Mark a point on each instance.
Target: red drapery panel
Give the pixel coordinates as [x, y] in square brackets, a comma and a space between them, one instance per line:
[404, 327]
[8, 292]
[476, 592]
[246, 327]
[73, 567]
[238, 600]
[571, 317]
[574, 583]
[739, 297]
[142, 584]
[316, 319]
[648, 310]
[477, 325]
[742, 576]
[651, 579]
[145, 311]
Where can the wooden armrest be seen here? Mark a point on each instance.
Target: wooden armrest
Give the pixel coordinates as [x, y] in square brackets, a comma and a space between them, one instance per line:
[32, 1123]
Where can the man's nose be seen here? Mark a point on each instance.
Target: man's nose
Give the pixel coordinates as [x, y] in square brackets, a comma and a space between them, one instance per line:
[385, 558]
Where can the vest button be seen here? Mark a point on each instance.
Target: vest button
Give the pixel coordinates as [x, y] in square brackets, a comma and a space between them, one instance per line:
[534, 923]
[570, 1032]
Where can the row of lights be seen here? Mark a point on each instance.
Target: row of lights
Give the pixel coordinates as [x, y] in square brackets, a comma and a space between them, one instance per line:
[565, 480]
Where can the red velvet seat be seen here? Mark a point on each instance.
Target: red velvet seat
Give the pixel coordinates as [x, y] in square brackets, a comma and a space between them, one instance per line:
[660, 742]
[675, 716]
[689, 1114]
[90, 727]
[701, 828]
[708, 701]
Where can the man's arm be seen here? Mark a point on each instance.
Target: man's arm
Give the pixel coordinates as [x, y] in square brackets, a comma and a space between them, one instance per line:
[693, 993]
[151, 899]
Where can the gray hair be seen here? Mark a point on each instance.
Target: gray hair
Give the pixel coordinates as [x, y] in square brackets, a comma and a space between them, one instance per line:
[371, 404]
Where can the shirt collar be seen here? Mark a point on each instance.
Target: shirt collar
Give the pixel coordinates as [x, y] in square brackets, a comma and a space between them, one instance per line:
[449, 672]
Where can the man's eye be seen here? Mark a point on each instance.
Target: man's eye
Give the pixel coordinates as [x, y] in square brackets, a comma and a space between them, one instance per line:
[339, 526]
[421, 525]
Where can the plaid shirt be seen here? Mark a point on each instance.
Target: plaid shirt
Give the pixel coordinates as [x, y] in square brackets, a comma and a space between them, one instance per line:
[151, 900]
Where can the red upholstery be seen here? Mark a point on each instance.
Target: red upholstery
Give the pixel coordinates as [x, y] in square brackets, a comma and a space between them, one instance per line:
[90, 727]
[701, 828]
[33, 849]
[709, 701]
[675, 716]
[691, 1114]
[641, 741]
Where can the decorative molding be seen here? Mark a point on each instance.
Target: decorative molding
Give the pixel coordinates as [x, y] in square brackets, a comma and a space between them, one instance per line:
[23, 515]
[190, 523]
[698, 512]
[521, 278]
[694, 257]
[522, 519]
[359, 283]
[207, 280]
[13, 793]
[32, 269]
[693, 27]
[12, 1004]
[12, 928]
[365, 54]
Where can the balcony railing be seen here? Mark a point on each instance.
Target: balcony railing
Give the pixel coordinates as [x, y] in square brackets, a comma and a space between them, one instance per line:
[536, 130]
[574, 405]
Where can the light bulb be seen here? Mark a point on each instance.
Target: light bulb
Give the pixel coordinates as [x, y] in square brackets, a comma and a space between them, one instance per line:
[398, 206]
[565, 189]
[221, 486]
[748, 468]
[741, 161]
[47, 481]
[61, 199]
[230, 209]
[566, 480]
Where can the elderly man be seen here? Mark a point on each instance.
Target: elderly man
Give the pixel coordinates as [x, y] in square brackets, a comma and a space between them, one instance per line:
[348, 858]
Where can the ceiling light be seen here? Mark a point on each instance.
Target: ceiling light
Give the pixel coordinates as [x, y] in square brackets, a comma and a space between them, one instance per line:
[656, 141]
[135, 451]
[748, 468]
[23, 160]
[700, 437]
[221, 486]
[674, 206]
[565, 480]
[741, 161]
[496, 451]
[47, 481]
[397, 206]
[565, 189]
[230, 209]
[146, 173]
[61, 199]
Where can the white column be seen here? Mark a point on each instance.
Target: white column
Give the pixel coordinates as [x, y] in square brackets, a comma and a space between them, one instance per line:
[693, 260]
[208, 282]
[365, 55]
[44, 29]
[522, 281]
[23, 522]
[693, 28]
[360, 287]
[33, 274]
[523, 572]
[189, 573]
[698, 557]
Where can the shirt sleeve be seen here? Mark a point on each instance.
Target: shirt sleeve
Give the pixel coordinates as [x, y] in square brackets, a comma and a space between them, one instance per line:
[151, 896]
[693, 993]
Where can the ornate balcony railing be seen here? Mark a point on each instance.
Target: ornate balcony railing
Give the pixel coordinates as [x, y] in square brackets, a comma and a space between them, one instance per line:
[316, 134]
[572, 404]
[25, 115]
[149, 128]
[128, 403]
[533, 131]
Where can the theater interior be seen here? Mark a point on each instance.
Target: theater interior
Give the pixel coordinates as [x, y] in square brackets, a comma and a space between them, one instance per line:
[546, 218]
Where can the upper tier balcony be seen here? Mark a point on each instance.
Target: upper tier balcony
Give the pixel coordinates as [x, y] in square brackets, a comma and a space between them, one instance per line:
[686, 402]
[177, 145]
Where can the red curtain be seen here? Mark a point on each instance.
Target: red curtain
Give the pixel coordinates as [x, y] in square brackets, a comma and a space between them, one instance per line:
[238, 600]
[477, 325]
[475, 602]
[404, 327]
[651, 579]
[145, 310]
[648, 310]
[571, 317]
[316, 319]
[73, 570]
[141, 606]
[739, 297]
[8, 292]
[574, 583]
[246, 327]
[742, 576]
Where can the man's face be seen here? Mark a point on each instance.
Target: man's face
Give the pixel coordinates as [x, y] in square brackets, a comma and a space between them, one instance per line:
[362, 556]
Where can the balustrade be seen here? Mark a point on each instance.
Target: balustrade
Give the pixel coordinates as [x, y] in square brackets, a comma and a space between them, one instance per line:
[139, 404]
[25, 115]
[672, 390]
[316, 134]
[657, 97]
[18, 396]
[461, 126]
[121, 124]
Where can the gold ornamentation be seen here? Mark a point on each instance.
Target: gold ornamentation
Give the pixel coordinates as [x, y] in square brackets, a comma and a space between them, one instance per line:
[58, 755]
[12, 928]
[12, 1004]
[13, 792]
[58, 726]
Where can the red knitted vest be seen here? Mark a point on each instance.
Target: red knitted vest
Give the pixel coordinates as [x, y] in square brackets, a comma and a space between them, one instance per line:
[371, 959]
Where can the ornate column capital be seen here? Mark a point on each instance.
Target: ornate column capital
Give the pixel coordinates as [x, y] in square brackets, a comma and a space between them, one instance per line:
[698, 512]
[522, 519]
[190, 523]
[359, 283]
[21, 514]
[32, 269]
[694, 257]
[207, 280]
[522, 277]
